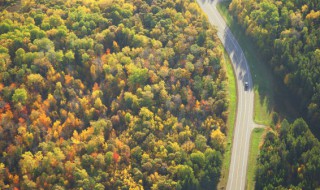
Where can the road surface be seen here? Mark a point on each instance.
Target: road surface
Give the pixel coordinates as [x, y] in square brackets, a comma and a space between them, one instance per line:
[244, 120]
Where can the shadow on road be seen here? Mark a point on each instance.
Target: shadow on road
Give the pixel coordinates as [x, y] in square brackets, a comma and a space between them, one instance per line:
[233, 49]
[272, 93]
[237, 57]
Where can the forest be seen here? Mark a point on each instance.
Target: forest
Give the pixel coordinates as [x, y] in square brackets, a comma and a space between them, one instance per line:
[110, 94]
[289, 158]
[287, 35]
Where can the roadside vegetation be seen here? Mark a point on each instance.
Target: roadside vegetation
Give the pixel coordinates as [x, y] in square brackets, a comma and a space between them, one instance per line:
[280, 43]
[263, 97]
[262, 109]
[255, 143]
[232, 109]
[261, 74]
[286, 34]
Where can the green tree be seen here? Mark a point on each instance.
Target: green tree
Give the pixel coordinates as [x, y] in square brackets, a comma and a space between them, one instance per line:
[186, 177]
[138, 77]
[69, 57]
[20, 96]
[44, 44]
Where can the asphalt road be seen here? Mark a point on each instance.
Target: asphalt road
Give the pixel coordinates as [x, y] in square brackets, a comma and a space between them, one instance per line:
[244, 120]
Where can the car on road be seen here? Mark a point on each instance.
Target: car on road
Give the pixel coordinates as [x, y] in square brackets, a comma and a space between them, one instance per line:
[246, 85]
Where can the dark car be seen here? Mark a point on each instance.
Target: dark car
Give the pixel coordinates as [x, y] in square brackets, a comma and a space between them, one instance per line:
[246, 85]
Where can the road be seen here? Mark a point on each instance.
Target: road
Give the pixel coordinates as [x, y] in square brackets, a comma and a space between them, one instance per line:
[244, 120]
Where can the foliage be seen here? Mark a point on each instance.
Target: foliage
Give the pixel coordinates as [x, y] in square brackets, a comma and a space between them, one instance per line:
[289, 158]
[287, 34]
[108, 94]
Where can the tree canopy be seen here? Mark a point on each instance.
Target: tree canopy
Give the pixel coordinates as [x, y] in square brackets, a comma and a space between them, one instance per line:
[289, 158]
[287, 33]
[110, 94]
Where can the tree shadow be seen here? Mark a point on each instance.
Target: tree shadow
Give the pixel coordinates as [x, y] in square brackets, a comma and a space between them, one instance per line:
[274, 96]
[271, 89]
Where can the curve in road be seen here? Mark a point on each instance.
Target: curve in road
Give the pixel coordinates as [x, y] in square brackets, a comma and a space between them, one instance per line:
[244, 119]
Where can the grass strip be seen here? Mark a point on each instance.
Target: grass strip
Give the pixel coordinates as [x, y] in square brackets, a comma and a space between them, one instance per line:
[255, 141]
[232, 94]
[270, 93]
[262, 75]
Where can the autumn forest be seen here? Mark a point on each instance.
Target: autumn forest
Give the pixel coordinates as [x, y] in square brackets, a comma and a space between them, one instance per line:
[103, 94]
[133, 94]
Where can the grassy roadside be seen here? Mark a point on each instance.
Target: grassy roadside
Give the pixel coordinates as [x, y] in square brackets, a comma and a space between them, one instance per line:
[263, 84]
[269, 93]
[232, 91]
[263, 97]
[256, 138]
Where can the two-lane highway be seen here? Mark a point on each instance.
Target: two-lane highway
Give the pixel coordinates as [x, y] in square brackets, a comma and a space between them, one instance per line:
[244, 122]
